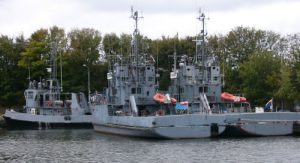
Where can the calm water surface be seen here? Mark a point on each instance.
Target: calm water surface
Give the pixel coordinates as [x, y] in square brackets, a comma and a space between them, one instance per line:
[88, 146]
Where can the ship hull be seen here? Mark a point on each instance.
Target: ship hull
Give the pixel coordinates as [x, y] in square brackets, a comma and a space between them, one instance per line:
[125, 131]
[163, 127]
[261, 124]
[197, 125]
[296, 128]
[15, 120]
[272, 128]
[180, 132]
[258, 129]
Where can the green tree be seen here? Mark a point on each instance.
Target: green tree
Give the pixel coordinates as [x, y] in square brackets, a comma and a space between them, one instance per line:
[111, 43]
[84, 49]
[286, 92]
[13, 77]
[260, 76]
[36, 54]
[237, 47]
[125, 44]
[293, 62]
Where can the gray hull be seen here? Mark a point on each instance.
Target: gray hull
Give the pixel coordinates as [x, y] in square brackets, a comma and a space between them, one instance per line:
[268, 128]
[16, 120]
[156, 132]
[167, 127]
[261, 124]
[125, 130]
[197, 125]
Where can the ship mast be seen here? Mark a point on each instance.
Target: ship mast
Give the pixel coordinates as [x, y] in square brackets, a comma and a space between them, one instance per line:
[135, 46]
[53, 63]
[53, 82]
[200, 57]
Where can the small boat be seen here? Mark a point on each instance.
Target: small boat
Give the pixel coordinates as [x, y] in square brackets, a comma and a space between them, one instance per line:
[230, 97]
[161, 98]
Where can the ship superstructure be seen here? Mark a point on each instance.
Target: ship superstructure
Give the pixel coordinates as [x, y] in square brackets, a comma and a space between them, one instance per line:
[47, 106]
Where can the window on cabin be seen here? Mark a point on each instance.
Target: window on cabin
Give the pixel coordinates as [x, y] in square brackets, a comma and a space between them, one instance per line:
[30, 95]
[139, 90]
[114, 91]
[132, 90]
[201, 90]
[181, 90]
[47, 98]
[136, 91]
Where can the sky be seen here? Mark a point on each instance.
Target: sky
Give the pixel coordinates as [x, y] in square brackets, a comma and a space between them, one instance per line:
[160, 17]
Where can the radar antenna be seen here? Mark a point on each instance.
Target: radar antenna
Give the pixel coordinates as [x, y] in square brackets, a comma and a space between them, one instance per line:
[135, 16]
[200, 57]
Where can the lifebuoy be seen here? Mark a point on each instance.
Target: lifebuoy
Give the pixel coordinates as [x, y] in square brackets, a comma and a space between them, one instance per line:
[49, 103]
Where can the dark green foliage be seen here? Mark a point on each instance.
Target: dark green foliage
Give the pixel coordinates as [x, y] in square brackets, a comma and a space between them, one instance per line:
[35, 56]
[258, 64]
[13, 77]
[260, 76]
[83, 50]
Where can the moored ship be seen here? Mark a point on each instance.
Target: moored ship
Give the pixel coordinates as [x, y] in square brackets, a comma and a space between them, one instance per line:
[192, 108]
[131, 105]
[47, 107]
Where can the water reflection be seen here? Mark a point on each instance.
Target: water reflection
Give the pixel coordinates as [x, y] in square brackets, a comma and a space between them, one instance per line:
[88, 146]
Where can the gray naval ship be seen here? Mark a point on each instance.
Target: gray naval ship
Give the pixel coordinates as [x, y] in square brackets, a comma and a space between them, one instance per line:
[47, 107]
[192, 108]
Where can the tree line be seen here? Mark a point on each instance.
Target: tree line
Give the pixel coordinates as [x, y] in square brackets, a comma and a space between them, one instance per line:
[257, 64]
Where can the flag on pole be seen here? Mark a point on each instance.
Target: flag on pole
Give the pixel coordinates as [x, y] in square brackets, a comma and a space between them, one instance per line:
[182, 105]
[269, 105]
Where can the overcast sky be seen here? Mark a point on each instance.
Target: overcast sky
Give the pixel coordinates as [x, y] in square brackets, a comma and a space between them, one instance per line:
[161, 17]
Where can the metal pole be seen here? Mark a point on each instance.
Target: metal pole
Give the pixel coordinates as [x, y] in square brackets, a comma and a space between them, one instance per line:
[61, 82]
[89, 88]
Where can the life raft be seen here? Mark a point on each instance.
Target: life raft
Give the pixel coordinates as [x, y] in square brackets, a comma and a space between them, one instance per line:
[163, 99]
[230, 97]
[49, 103]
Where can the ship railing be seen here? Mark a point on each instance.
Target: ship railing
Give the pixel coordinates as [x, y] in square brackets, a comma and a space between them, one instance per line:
[98, 99]
[57, 104]
[231, 107]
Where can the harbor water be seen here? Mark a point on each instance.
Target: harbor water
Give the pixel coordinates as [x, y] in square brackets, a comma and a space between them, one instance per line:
[89, 146]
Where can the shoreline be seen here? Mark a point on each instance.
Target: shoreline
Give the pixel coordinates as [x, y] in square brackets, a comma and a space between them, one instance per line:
[2, 110]
[2, 121]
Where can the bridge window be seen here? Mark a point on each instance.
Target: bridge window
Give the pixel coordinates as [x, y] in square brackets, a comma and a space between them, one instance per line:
[136, 91]
[132, 90]
[150, 78]
[203, 89]
[30, 95]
